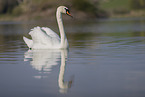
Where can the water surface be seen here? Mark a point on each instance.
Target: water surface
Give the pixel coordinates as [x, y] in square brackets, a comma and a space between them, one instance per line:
[105, 58]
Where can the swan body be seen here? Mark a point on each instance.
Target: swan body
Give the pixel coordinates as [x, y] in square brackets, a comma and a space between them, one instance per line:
[45, 38]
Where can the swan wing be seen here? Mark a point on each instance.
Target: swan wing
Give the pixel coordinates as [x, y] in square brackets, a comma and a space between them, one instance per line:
[50, 32]
[44, 37]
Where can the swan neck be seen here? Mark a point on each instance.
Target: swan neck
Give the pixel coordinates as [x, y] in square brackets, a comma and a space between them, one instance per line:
[61, 27]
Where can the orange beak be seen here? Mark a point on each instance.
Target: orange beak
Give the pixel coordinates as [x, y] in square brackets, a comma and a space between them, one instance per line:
[69, 14]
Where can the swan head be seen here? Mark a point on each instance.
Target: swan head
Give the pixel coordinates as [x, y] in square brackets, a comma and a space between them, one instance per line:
[64, 10]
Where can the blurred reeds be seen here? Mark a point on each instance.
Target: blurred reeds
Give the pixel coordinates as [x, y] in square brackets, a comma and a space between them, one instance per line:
[81, 9]
[124, 8]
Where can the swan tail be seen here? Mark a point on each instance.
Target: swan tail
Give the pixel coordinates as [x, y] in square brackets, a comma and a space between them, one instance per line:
[29, 42]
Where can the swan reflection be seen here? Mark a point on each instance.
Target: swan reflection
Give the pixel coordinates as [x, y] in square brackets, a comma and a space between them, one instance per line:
[62, 84]
[44, 60]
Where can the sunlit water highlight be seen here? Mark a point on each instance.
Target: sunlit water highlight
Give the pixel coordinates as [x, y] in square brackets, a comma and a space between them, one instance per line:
[105, 58]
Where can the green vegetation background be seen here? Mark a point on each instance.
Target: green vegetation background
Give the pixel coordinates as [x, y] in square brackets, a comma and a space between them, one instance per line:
[81, 9]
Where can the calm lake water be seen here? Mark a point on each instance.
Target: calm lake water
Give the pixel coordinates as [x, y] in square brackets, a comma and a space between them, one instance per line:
[106, 58]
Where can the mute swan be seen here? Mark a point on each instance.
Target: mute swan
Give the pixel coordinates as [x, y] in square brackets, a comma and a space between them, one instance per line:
[45, 38]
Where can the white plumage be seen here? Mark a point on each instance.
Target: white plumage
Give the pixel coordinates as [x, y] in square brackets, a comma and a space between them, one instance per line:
[45, 38]
[42, 38]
